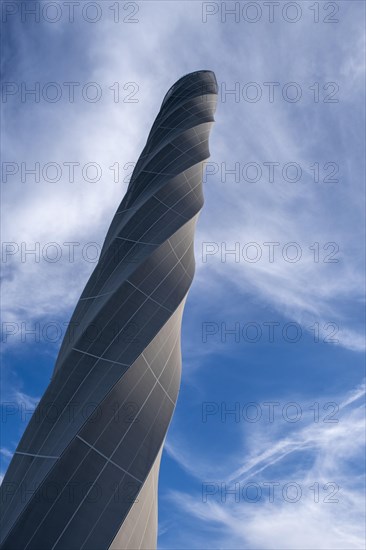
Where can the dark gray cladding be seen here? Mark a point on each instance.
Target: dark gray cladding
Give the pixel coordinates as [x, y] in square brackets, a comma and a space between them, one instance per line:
[85, 472]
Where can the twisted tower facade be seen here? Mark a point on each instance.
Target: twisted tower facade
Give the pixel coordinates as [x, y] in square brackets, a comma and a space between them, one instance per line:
[85, 473]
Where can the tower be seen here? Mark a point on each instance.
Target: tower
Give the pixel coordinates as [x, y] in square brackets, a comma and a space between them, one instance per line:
[85, 473]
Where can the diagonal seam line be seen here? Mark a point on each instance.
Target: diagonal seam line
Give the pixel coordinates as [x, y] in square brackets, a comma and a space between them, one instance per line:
[156, 378]
[102, 358]
[137, 242]
[35, 455]
[171, 208]
[179, 259]
[108, 459]
[149, 296]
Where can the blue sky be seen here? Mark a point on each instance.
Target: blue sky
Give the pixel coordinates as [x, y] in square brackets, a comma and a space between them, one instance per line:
[310, 129]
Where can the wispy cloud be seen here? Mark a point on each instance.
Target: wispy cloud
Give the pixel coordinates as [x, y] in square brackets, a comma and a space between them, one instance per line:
[109, 132]
[322, 453]
[27, 401]
[5, 452]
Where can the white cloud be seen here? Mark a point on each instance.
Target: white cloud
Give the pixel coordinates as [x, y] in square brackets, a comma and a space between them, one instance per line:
[109, 132]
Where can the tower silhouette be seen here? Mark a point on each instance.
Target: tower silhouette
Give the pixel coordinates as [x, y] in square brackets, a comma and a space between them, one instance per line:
[85, 473]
